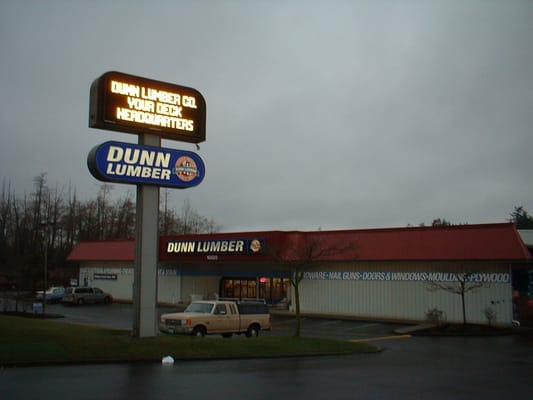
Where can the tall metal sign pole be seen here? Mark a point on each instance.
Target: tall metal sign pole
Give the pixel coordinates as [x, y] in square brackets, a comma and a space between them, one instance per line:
[152, 110]
[146, 254]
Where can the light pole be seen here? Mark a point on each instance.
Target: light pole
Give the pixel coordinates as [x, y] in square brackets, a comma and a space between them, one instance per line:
[45, 264]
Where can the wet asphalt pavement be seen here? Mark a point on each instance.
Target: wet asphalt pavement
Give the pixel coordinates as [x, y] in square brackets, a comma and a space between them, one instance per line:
[120, 316]
[407, 368]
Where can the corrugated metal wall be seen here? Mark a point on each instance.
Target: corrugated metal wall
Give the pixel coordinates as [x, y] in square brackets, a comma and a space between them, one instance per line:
[365, 298]
[202, 286]
[168, 288]
[403, 300]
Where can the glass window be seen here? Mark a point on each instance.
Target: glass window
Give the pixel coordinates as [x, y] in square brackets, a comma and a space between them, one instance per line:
[270, 289]
[220, 309]
[204, 308]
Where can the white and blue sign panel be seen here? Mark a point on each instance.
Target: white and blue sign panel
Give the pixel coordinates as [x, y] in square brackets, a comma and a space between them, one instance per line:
[481, 277]
[137, 164]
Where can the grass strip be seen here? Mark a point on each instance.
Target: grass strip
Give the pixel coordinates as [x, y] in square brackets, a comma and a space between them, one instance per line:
[28, 340]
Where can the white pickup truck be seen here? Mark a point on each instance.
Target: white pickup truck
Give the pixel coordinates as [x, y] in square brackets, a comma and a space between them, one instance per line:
[201, 318]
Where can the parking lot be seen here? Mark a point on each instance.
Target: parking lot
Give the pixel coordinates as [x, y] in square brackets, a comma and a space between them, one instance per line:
[120, 316]
[418, 367]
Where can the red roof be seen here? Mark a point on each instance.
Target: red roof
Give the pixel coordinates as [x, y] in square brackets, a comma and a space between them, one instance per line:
[103, 250]
[457, 242]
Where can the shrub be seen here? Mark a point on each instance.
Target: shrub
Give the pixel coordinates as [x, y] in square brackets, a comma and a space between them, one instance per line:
[435, 316]
[490, 314]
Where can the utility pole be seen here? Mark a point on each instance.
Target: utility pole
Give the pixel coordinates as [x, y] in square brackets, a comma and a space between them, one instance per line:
[45, 264]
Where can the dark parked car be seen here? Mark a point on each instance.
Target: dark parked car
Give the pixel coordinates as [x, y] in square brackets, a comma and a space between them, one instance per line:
[83, 295]
[53, 294]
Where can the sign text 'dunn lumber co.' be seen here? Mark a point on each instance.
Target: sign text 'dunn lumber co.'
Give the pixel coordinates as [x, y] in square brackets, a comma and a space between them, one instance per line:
[132, 104]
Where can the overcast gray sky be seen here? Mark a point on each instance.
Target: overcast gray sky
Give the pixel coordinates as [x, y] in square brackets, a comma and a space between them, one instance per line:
[321, 114]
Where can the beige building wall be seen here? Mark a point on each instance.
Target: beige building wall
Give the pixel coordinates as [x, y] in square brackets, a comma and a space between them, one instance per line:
[168, 286]
[172, 288]
[198, 287]
[356, 289]
[375, 294]
[101, 274]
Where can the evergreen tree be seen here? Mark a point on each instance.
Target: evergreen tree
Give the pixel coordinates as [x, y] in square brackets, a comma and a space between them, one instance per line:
[521, 218]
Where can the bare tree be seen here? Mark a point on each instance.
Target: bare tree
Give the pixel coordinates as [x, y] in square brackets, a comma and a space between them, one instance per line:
[165, 215]
[125, 218]
[463, 284]
[68, 220]
[190, 221]
[56, 221]
[39, 203]
[7, 227]
[105, 218]
[304, 252]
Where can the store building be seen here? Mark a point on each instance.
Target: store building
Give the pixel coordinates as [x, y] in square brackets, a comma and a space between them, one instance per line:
[523, 284]
[387, 274]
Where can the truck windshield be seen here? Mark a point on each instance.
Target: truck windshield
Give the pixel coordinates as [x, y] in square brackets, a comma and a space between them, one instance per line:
[204, 308]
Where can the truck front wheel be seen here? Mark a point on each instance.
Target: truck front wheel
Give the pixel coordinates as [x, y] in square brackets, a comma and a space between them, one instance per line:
[253, 331]
[198, 331]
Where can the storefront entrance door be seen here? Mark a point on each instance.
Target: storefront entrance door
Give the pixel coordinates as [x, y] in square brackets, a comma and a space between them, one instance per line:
[272, 290]
[244, 288]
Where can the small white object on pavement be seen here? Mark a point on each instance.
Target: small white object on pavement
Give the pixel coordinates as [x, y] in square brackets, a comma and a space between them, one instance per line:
[168, 360]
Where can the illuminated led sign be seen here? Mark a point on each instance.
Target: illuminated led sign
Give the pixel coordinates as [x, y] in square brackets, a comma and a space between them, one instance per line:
[136, 164]
[127, 103]
[231, 246]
